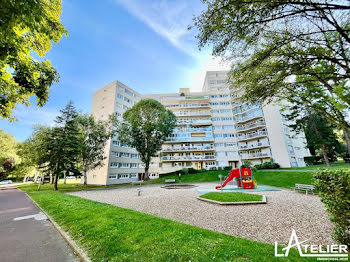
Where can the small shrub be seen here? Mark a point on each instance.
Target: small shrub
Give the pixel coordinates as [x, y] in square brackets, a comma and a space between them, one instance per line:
[227, 167]
[212, 168]
[191, 170]
[184, 171]
[346, 157]
[202, 170]
[254, 169]
[219, 168]
[313, 160]
[268, 165]
[334, 192]
[246, 163]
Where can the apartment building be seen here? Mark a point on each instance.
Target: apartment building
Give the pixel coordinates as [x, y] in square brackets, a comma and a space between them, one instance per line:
[214, 129]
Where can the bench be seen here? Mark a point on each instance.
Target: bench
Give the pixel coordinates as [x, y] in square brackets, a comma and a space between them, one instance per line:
[304, 187]
[139, 182]
[169, 181]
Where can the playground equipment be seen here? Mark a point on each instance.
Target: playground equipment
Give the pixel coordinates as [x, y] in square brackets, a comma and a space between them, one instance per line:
[244, 177]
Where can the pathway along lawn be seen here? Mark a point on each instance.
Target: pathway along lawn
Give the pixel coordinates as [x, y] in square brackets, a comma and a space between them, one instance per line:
[110, 233]
[232, 197]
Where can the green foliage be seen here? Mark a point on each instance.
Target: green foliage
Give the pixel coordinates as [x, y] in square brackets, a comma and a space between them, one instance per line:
[183, 171]
[27, 27]
[146, 126]
[268, 165]
[93, 137]
[232, 197]
[334, 191]
[8, 154]
[213, 168]
[227, 167]
[313, 160]
[246, 163]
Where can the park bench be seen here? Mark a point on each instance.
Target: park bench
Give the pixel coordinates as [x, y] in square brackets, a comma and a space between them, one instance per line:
[169, 181]
[139, 182]
[303, 187]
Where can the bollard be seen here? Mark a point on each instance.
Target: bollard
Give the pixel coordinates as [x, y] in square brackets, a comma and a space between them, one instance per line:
[139, 192]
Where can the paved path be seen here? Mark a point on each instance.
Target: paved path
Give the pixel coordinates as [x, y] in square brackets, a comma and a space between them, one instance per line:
[25, 232]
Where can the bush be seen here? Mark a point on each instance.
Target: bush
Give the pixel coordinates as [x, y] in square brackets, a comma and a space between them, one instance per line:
[346, 157]
[268, 165]
[246, 163]
[191, 170]
[219, 168]
[313, 160]
[202, 170]
[212, 168]
[227, 167]
[184, 171]
[334, 191]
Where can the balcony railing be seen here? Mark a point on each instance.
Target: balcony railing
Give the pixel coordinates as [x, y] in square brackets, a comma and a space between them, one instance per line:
[194, 121]
[192, 130]
[248, 117]
[193, 113]
[188, 148]
[188, 139]
[188, 105]
[187, 158]
[253, 135]
[250, 126]
[256, 155]
[255, 145]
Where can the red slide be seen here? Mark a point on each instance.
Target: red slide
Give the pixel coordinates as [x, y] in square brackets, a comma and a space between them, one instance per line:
[233, 173]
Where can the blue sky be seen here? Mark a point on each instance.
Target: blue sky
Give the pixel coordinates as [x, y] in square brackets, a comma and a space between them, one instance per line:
[143, 43]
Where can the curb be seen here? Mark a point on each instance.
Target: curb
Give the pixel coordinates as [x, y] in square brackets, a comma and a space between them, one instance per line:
[81, 254]
[263, 201]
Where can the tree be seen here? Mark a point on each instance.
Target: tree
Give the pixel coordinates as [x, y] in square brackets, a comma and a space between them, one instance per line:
[320, 136]
[8, 154]
[290, 50]
[27, 27]
[93, 137]
[146, 126]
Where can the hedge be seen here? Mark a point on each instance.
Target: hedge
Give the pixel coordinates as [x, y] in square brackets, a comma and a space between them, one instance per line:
[334, 191]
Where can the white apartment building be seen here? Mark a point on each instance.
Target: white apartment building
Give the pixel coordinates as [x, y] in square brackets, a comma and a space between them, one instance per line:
[214, 129]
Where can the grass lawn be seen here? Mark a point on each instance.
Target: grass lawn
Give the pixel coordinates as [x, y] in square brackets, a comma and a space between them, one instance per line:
[284, 179]
[110, 233]
[72, 185]
[232, 197]
[334, 165]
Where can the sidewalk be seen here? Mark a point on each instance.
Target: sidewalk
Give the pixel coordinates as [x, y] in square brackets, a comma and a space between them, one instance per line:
[25, 232]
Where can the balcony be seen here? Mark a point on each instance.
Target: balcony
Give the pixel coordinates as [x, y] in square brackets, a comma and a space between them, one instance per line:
[254, 125]
[194, 121]
[199, 105]
[188, 139]
[192, 130]
[252, 136]
[241, 119]
[188, 158]
[253, 146]
[256, 155]
[188, 148]
[193, 113]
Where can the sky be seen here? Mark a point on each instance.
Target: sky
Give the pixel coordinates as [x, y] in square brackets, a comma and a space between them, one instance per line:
[145, 44]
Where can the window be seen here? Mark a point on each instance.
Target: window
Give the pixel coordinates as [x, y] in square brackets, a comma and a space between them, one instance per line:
[122, 154]
[134, 156]
[116, 143]
[127, 100]
[115, 153]
[215, 111]
[125, 107]
[216, 119]
[214, 96]
[119, 96]
[225, 103]
[114, 164]
[226, 111]
[118, 114]
[123, 176]
[217, 127]
[229, 135]
[220, 154]
[219, 144]
[226, 119]
[133, 175]
[112, 176]
[212, 82]
[214, 103]
[123, 165]
[229, 144]
[218, 135]
[128, 92]
[134, 165]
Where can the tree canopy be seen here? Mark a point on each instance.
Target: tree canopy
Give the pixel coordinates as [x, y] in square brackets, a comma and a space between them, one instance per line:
[146, 126]
[290, 50]
[27, 27]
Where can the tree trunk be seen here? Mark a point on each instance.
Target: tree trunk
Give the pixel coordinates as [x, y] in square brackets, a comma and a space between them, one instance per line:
[55, 181]
[146, 173]
[51, 180]
[347, 140]
[85, 178]
[325, 156]
[25, 179]
[65, 177]
[36, 176]
[42, 177]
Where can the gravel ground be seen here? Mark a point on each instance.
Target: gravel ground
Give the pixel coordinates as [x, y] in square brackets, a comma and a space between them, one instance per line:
[285, 210]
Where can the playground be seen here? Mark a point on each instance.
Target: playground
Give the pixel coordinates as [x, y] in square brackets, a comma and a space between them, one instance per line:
[285, 210]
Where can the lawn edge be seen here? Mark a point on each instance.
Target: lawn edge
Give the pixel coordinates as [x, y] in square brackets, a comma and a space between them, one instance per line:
[81, 253]
[263, 201]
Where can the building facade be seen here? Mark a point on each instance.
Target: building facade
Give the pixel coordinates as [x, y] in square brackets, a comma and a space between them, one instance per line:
[214, 129]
